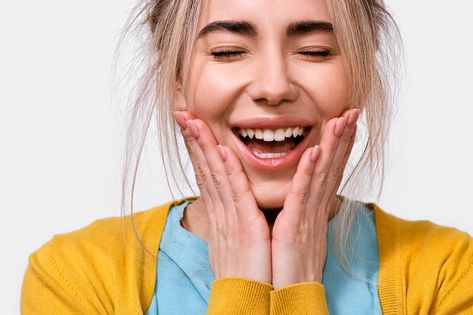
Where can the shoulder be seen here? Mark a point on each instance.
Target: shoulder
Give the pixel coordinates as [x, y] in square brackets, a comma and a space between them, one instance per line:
[422, 235]
[88, 267]
[110, 235]
[429, 264]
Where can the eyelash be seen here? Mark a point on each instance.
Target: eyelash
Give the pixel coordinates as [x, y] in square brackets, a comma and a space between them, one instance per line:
[316, 53]
[228, 54]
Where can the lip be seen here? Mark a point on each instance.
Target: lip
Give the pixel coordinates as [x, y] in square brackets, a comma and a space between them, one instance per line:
[278, 163]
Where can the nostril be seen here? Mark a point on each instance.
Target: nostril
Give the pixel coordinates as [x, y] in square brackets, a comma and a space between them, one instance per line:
[270, 102]
[272, 91]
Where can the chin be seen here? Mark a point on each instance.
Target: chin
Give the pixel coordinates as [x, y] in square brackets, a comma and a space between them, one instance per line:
[269, 200]
[269, 205]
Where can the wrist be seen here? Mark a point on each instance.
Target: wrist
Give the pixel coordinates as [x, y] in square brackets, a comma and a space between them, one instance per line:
[278, 284]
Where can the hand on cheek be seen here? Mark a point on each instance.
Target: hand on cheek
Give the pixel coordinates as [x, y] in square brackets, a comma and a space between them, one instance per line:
[239, 241]
[299, 244]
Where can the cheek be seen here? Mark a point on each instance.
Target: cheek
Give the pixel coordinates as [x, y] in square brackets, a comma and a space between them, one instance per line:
[328, 87]
[212, 90]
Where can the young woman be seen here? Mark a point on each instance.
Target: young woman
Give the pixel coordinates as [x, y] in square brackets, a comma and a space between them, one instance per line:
[267, 95]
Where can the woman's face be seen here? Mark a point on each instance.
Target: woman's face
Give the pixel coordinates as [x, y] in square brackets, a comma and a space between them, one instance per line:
[270, 69]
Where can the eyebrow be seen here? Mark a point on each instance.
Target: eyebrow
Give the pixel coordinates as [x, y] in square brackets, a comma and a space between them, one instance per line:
[249, 29]
[237, 27]
[305, 27]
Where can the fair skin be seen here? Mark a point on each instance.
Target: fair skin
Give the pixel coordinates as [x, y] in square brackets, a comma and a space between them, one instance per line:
[265, 205]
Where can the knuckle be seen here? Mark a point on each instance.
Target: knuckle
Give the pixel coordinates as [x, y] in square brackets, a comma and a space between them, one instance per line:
[189, 140]
[236, 195]
[301, 195]
[199, 170]
[200, 175]
[238, 173]
[202, 146]
[239, 191]
[333, 148]
[216, 180]
[323, 177]
[230, 171]
[347, 135]
[338, 170]
[199, 181]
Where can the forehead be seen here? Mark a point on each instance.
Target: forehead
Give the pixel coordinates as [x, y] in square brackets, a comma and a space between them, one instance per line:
[264, 13]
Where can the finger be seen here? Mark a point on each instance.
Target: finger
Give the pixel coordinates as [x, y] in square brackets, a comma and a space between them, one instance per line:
[218, 172]
[351, 125]
[340, 158]
[241, 192]
[344, 136]
[216, 181]
[343, 146]
[347, 154]
[203, 168]
[210, 197]
[181, 117]
[300, 187]
[199, 166]
[328, 146]
[202, 174]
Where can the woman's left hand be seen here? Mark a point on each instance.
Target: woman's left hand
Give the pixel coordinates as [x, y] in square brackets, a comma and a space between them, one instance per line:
[299, 234]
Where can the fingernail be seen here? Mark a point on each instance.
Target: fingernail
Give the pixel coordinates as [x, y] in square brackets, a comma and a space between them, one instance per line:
[193, 129]
[353, 117]
[314, 155]
[221, 152]
[340, 126]
[181, 121]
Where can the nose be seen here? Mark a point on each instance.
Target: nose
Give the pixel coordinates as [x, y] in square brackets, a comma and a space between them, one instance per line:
[272, 83]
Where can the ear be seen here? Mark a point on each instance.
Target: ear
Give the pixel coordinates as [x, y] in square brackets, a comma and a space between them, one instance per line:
[179, 100]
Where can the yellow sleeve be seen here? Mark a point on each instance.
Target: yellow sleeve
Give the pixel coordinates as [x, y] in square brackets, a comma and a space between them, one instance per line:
[459, 299]
[46, 290]
[103, 268]
[72, 274]
[455, 277]
[299, 298]
[239, 296]
[246, 296]
[424, 268]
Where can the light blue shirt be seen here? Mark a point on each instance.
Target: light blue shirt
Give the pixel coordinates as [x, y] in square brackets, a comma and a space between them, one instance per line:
[184, 276]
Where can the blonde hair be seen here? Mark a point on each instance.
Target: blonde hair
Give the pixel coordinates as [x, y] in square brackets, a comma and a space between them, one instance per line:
[368, 39]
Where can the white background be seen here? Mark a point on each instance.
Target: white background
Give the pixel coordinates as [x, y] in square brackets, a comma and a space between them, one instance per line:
[61, 131]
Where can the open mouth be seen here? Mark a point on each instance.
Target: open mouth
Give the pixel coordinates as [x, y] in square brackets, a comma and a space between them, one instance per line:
[272, 143]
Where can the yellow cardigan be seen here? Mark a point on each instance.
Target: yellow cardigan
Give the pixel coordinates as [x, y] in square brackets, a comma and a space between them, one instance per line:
[105, 269]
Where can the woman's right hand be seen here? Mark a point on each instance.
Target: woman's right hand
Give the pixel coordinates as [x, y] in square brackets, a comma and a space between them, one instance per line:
[239, 238]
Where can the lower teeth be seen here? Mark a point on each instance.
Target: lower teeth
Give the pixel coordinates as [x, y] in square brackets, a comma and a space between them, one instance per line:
[269, 155]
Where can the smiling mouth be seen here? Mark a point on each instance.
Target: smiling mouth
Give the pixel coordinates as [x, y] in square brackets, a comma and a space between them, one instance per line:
[271, 143]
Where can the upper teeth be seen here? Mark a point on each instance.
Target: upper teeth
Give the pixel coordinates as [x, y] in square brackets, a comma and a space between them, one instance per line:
[271, 135]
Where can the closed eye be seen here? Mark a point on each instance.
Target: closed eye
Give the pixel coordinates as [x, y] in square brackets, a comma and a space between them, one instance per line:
[231, 54]
[316, 53]
[226, 54]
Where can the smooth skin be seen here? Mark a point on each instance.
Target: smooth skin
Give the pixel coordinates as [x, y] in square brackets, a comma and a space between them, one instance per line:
[267, 226]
